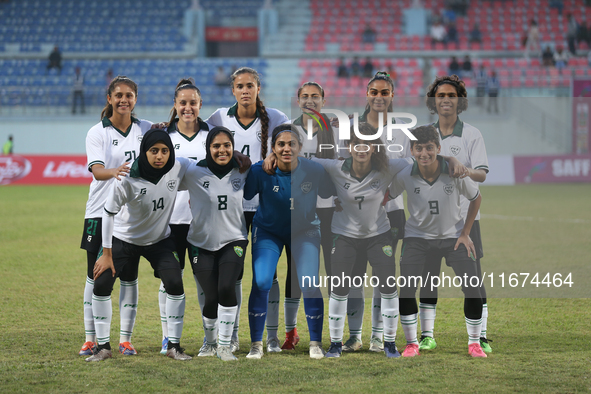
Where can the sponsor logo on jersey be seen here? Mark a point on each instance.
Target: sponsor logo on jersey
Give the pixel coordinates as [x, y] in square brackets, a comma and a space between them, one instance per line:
[89, 238]
[387, 250]
[13, 168]
[455, 150]
[259, 135]
[347, 185]
[375, 185]
[177, 146]
[275, 189]
[239, 251]
[312, 234]
[171, 184]
[306, 187]
[448, 189]
[115, 142]
[143, 190]
[176, 256]
[236, 184]
[206, 185]
[195, 259]
[417, 190]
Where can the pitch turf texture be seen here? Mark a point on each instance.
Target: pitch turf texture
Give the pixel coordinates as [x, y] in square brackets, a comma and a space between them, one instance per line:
[540, 344]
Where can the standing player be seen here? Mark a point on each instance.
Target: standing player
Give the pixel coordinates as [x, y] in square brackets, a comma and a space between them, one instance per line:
[149, 193]
[251, 121]
[446, 97]
[380, 94]
[188, 133]
[286, 217]
[217, 237]
[436, 229]
[111, 145]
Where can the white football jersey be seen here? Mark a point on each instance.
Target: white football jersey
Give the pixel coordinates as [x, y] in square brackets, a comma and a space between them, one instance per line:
[110, 147]
[149, 206]
[434, 208]
[216, 204]
[192, 148]
[363, 215]
[247, 138]
[466, 144]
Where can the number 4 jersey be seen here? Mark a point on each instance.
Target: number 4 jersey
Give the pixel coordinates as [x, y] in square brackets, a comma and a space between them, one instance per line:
[434, 208]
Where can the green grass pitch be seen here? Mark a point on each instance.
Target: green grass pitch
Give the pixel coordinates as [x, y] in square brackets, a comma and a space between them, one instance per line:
[540, 344]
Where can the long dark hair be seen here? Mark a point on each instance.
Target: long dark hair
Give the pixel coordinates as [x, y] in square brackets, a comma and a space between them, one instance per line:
[325, 136]
[185, 83]
[379, 76]
[260, 107]
[108, 110]
[378, 158]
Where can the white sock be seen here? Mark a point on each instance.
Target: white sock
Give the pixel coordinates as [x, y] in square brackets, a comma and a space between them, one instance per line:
[355, 309]
[226, 315]
[88, 319]
[102, 312]
[175, 315]
[162, 304]
[290, 308]
[409, 326]
[377, 324]
[427, 314]
[484, 320]
[128, 300]
[390, 313]
[473, 326]
[273, 310]
[209, 326]
[337, 310]
[238, 305]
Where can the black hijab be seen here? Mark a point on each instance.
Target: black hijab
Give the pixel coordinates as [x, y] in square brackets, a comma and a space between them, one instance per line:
[142, 168]
[219, 170]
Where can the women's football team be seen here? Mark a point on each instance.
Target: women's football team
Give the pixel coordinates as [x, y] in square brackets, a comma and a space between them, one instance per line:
[187, 188]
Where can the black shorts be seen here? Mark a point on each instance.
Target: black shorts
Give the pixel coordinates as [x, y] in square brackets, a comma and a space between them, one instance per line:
[179, 234]
[397, 222]
[162, 255]
[205, 260]
[92, 238]
[477, 239]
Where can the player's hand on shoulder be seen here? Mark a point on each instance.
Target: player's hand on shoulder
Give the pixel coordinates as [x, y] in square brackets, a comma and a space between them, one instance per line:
[270, 163]
[456, 168]
[121, 171]
[243, 161]
[161, 125]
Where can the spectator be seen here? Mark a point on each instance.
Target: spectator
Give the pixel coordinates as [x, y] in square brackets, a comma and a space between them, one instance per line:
[368, 68]
[78, 91]
[109, 77]
[7, 148]
[454, 66]
[355, 67]
[560, 57]
[548, 57]
[438, 33]
[589, 58]
[369, 34]
[475, 34]
[467, 67]
[342, 71]
[221, 78]
[571, 34]
[558, 4]
[493, 87]
[481, 80]
[452, 33]
[532, 42]
[55, 60]
[583, 34]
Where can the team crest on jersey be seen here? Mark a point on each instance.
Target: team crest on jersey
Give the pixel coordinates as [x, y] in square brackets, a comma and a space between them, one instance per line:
[455, 150]
[375, 185]
[176, 255]
[306, 187]
[236, 184]
[312, 234]
[239, 251]
[259, 135]
[275, 189]
[387, 250]
[417, 190]
[115, 142]
[139, 138]
[171, 185]
[347, 185]
[448, 189]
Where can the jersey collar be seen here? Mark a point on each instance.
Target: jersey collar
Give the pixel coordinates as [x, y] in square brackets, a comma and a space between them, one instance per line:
[107, 123]
[349, 163]
[442, 163]
[458, 129]
[174, 127]
[220, 175]
[233, 110]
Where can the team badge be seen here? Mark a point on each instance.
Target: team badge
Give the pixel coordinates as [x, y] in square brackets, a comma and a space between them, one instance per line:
[236, 184]
[306, 187]
[417, 190]
[176, 256]
[347, 185]
[171, 185]
[139, 138]
[115, 142]
[375, 185]
[275, 189]
[259, 135]
[312, 234]
[203, 144]
[455, 150]
[239, 251]
[448, 189]
[387, 250]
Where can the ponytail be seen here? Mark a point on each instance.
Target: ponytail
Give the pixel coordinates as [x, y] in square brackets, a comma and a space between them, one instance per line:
[264, 127]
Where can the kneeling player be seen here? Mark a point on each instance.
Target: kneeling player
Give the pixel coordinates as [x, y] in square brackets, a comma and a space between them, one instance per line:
[436, 228]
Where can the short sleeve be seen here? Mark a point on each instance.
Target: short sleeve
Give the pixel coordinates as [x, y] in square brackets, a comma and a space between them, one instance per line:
[326, 188]
[116, 196]
[95, 152]
[468, 188]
